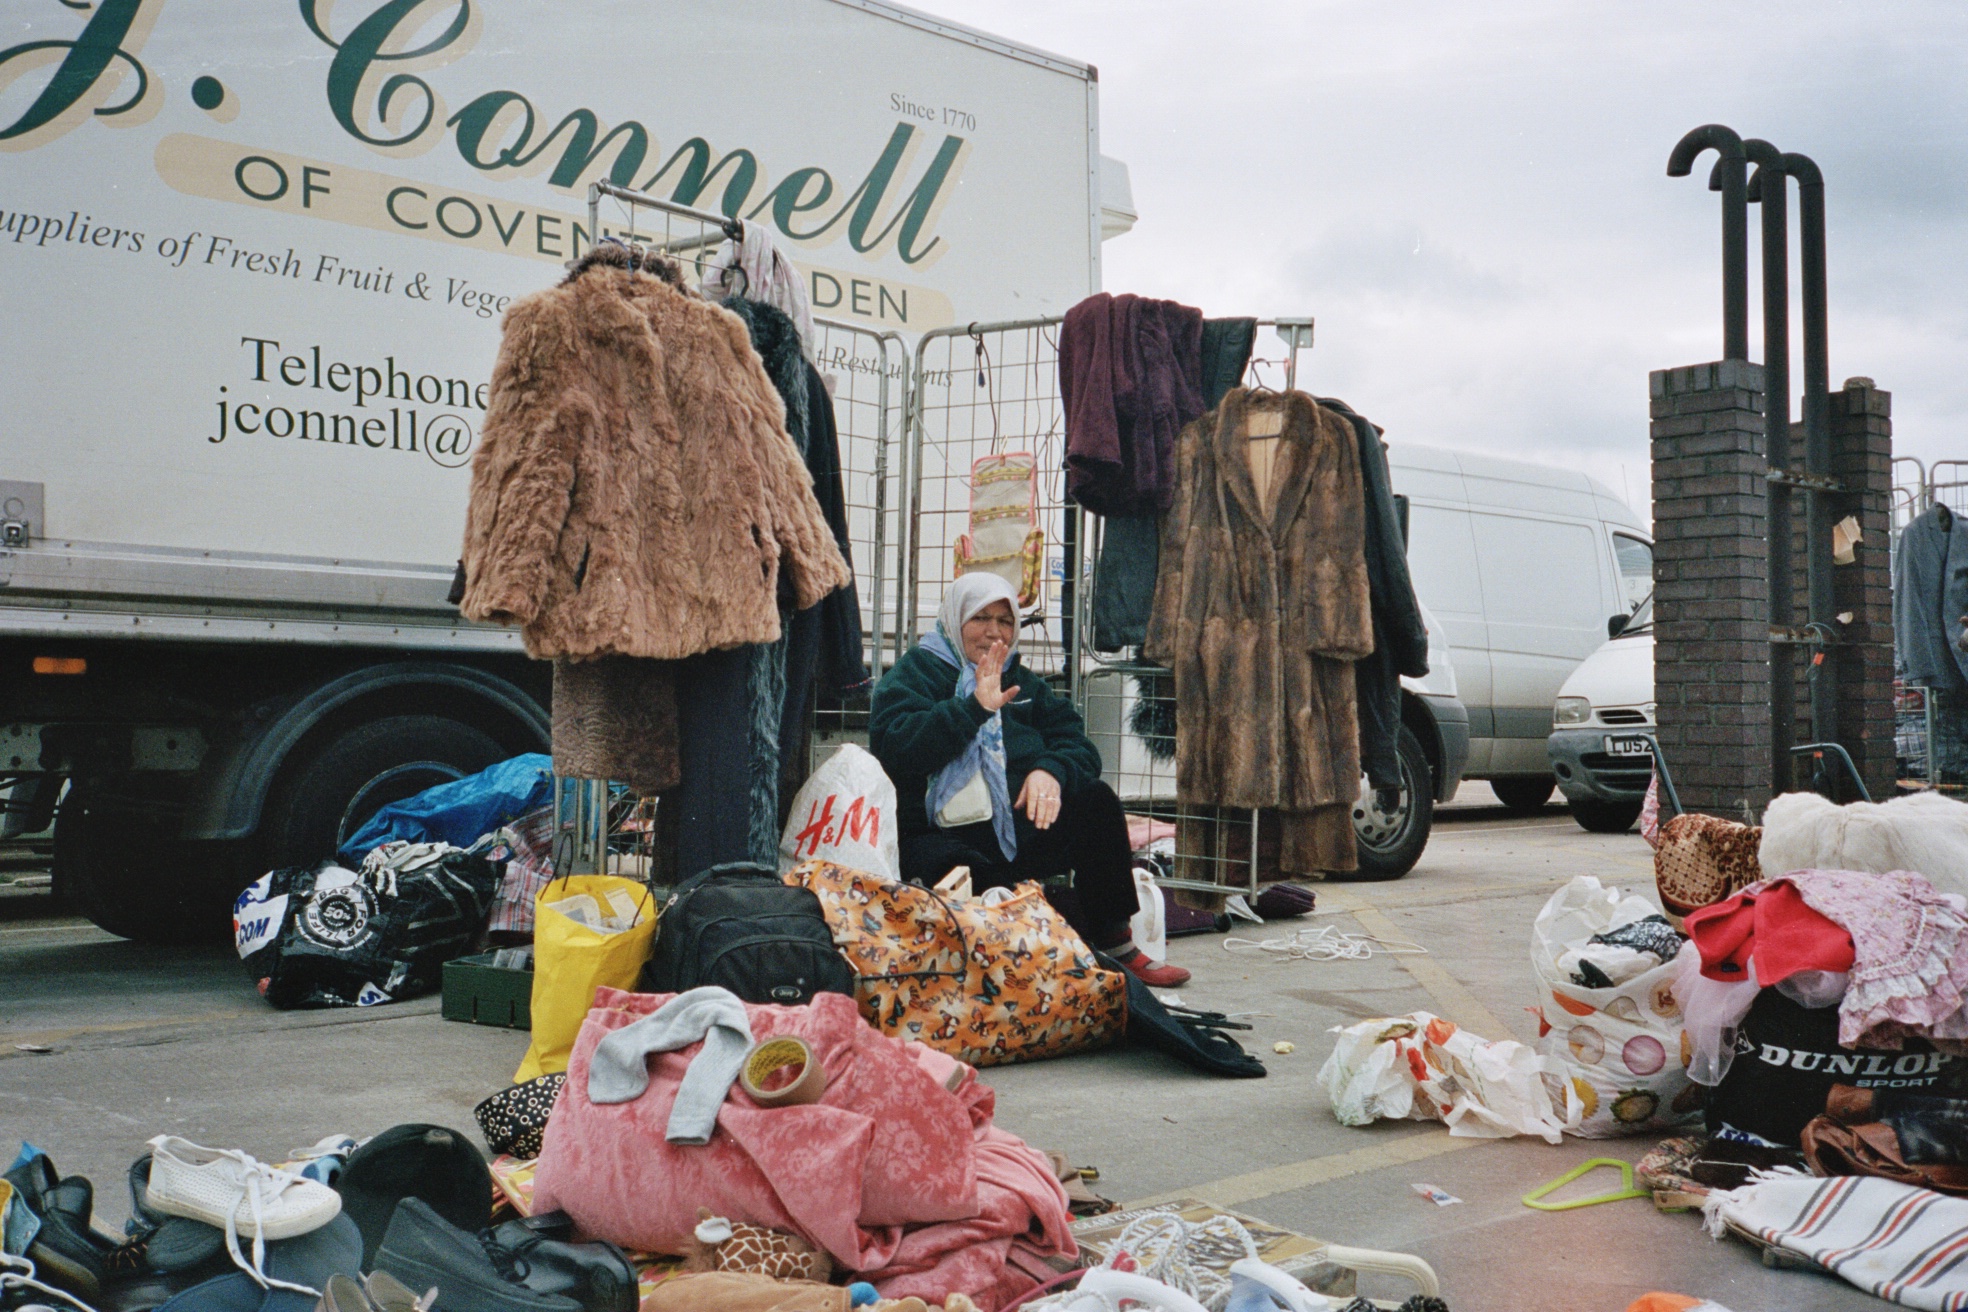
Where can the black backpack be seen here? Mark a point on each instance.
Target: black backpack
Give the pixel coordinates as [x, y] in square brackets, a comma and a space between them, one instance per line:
[738, 927]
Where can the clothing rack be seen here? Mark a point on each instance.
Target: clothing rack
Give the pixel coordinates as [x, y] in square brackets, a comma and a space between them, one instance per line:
[869, 376]
[725, 227]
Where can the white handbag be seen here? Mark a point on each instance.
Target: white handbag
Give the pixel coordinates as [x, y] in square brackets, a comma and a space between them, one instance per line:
[969, 805]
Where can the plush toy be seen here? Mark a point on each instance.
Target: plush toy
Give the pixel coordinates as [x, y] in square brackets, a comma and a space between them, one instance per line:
[722, 1245]
[954, 1303]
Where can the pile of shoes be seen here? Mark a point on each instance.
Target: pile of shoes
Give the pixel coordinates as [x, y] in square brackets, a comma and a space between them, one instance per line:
[405, 1227]
[190, 1208]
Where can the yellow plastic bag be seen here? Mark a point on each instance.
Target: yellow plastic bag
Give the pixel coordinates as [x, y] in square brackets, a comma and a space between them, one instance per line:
[571, 960]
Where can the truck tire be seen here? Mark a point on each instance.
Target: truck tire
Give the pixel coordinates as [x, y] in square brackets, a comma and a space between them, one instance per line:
[1390, 844]
[1596, 817]
[1524, 794]
[328, 795]
[120, 863]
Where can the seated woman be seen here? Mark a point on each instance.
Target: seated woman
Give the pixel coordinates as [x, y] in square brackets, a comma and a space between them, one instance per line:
[993, 770]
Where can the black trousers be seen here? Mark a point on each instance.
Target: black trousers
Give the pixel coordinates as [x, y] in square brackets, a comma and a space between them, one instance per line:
[1090, 838]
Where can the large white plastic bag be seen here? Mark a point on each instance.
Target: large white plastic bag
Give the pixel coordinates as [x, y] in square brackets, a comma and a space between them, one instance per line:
[1623, 1048]
[844, 813]
[1423, 1068]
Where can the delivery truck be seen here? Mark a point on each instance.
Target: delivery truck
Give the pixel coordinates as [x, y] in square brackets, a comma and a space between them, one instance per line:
[254, 258]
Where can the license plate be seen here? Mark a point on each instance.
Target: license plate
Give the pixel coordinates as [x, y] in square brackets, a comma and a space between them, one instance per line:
[1632, 744]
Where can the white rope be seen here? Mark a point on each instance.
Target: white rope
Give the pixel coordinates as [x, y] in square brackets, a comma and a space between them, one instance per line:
[1324, 943]
[1175, 1252]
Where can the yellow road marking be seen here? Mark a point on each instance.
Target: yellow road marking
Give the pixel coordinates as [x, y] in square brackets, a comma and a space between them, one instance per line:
[1271, 1180]
[1452, 1001]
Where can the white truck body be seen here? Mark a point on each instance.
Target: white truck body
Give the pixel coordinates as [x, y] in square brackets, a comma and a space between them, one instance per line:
[255, 257]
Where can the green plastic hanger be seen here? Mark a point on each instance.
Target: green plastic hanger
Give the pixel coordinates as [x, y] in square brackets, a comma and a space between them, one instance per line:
[1626, 1189]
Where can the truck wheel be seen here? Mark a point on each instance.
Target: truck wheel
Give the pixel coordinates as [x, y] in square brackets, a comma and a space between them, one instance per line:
[328, 795]
[119, 862]
[1391, 842]
[1524, 794]
[1597, 817]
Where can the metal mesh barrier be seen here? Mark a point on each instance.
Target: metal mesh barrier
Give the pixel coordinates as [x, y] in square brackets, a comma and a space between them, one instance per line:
[868, 373]
[993, 389]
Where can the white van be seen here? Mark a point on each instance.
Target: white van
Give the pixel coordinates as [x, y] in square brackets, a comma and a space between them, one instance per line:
[1523, 566]
[1602, 729]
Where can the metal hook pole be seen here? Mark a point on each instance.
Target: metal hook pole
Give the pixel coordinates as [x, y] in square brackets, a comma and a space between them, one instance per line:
[1768, 189]
[1727, 178]
[1817, 437]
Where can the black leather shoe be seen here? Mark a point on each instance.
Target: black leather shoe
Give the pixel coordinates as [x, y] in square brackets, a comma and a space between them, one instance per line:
[68, 1250]
[423, 1250]
[170, 1245]
[534, 1252]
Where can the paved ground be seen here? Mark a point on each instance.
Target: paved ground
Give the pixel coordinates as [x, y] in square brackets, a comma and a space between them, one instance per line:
[148, 1040]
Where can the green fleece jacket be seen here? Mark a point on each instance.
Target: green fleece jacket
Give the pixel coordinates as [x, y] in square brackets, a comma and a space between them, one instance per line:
[919, 725]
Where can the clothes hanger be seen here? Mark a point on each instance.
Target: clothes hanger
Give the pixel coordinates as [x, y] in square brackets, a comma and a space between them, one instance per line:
[1626, 1190]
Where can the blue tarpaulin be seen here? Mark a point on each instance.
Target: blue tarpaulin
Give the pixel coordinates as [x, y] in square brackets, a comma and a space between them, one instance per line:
[461, 811]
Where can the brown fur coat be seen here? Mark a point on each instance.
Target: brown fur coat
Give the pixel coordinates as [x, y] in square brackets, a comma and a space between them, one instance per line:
[1260, 609]
[634, 491]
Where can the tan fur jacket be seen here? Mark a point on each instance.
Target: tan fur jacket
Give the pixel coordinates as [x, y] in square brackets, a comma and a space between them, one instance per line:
[635, 492]
[1260, 609]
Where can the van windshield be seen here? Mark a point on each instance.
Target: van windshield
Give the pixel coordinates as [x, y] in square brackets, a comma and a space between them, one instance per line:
[1642, 620]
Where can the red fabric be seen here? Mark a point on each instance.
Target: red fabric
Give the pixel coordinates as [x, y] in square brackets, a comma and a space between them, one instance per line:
[1019, 1199]
[897, 1177]
[1771, 925]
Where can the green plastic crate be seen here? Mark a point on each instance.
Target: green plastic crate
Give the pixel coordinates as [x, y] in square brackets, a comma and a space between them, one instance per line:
[475, 990]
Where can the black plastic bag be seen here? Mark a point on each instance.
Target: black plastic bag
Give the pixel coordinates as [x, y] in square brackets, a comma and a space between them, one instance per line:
[333, 937]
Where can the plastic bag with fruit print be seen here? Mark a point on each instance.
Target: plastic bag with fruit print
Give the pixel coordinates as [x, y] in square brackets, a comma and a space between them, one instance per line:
[1622, 1047]
[1423, 1068]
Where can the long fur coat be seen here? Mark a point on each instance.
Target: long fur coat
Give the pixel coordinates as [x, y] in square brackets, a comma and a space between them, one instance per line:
[635, 492]
[1260, 609]
[1925, 833]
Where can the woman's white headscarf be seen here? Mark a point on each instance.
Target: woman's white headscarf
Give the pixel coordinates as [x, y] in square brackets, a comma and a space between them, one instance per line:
[985, 755]
[971, 593]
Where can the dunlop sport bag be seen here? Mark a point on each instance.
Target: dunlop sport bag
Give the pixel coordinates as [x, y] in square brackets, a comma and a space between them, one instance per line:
[737, 926]
[985, 982]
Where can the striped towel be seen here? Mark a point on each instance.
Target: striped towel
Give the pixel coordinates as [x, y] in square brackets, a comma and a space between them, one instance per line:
[1899, 1243]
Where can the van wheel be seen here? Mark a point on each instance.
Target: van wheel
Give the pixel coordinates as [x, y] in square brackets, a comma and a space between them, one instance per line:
[1390, 842]
[1524, 794]
[1597, 817]
[328, 796]
[120, 863]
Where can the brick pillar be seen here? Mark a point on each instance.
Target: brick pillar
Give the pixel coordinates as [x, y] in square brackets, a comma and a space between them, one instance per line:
[1862, 459]
[1711, 599]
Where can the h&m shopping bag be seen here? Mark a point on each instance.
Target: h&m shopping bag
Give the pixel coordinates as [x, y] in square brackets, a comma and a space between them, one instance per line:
[987, 980]
[575, 952]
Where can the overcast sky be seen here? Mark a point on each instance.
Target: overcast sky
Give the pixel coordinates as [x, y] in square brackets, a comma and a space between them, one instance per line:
[1472, 199]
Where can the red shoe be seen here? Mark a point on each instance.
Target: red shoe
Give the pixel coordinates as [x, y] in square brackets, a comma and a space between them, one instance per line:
[1162, 976]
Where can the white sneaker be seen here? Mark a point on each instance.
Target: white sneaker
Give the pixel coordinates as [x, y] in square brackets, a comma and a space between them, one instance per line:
[240, 1195]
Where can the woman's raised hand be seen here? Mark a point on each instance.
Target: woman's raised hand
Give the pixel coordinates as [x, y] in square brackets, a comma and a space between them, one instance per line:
[990, 673]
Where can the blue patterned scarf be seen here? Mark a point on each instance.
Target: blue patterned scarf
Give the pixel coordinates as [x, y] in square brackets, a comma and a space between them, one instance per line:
[985, 754]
